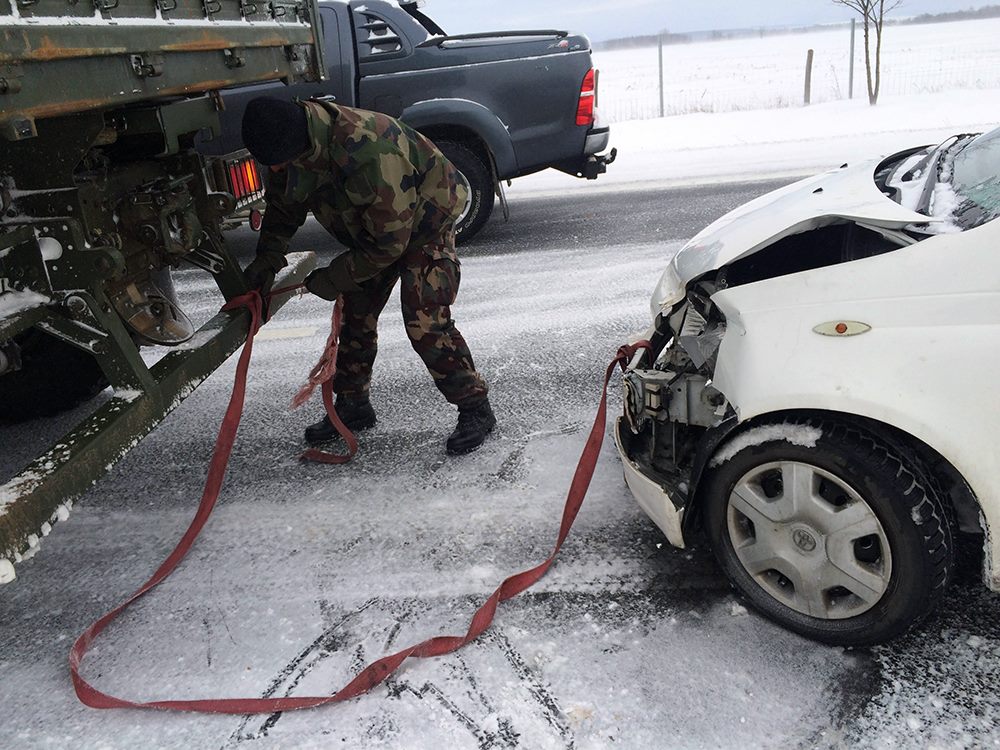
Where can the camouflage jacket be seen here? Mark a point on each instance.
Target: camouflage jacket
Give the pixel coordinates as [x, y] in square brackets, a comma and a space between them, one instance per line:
[373, 182]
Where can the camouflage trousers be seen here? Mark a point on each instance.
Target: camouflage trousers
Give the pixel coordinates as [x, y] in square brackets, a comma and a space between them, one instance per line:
[429, 284]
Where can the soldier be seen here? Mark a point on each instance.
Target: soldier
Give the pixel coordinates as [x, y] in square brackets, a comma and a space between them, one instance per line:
[390, 196]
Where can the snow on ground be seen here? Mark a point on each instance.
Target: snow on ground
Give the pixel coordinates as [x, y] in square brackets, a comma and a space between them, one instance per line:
[305, 572]
[740, 146]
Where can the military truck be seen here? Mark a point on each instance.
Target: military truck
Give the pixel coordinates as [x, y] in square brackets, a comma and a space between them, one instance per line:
[101, 194]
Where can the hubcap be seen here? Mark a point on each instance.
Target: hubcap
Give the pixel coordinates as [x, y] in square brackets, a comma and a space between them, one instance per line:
[468, 199]
[804, 540]
[809, 540]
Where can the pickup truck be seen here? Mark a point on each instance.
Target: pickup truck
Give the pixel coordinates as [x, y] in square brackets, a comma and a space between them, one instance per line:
[500, 105]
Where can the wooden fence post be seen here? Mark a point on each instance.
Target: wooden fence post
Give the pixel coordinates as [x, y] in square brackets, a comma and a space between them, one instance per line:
[809, 76]
[850, 86]
[661, 75]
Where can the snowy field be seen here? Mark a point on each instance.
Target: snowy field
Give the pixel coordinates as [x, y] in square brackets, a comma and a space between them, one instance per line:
[700, 148]
[768, 72]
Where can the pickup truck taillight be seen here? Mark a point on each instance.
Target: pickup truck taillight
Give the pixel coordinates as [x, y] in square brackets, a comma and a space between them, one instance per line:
[588, 99]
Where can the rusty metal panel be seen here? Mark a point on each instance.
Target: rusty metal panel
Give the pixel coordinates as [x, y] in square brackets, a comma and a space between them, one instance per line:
[51, 67]
[49, 90]
[39, 43]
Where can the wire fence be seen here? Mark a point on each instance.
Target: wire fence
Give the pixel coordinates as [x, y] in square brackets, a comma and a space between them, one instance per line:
[769, 72]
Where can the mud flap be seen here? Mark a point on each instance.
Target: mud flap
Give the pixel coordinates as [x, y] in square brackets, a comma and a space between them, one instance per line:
[502, 195]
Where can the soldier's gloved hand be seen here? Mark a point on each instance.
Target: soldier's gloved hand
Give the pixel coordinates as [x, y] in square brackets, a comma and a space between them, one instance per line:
[320, 284]
[332, 281]
[260, 273]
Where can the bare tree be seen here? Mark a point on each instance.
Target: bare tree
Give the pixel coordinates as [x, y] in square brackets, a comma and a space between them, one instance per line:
[873, 16]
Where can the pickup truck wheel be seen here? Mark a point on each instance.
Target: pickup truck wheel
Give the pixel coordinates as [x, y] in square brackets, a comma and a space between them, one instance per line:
[53, 378]
[481, 193]
[828, 530]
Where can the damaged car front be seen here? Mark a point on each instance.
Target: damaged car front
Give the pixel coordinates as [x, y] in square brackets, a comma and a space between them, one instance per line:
[819, 395]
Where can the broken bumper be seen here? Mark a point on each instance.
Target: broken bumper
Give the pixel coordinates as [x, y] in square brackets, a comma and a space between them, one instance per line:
[653, 496]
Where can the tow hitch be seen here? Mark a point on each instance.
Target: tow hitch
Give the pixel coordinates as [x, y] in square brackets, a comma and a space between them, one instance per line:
[597, 164]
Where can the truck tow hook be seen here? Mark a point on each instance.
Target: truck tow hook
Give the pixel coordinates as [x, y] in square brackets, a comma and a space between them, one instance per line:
[598, 164]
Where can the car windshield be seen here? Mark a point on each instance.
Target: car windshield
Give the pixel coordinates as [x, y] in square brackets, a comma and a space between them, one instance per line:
[975, 179]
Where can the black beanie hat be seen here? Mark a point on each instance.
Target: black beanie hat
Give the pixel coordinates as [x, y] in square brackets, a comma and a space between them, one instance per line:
[274, 130]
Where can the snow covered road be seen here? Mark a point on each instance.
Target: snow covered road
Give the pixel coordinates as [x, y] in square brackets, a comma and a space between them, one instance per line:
[306, 572]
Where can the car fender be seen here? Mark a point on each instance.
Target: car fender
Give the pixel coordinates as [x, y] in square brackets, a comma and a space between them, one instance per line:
[471, 116]
[924, 361]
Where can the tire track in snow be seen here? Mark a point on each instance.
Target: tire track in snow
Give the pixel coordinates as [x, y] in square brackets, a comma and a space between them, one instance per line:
[328, 643]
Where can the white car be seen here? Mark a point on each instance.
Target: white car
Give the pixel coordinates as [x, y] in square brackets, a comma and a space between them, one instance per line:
[821, 394]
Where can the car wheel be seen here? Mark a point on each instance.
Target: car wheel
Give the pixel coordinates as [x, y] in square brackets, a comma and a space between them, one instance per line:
[54, 377]
[479, 179]
[828, 530]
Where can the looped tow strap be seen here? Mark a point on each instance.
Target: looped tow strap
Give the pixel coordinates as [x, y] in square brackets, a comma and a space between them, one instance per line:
[376, 672]
[322, 375]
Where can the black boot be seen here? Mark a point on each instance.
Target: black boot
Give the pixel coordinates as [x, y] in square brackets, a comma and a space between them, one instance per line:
[474, 424]
[356, 416]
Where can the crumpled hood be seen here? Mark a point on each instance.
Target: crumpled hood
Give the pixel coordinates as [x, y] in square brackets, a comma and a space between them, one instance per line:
[848, 193]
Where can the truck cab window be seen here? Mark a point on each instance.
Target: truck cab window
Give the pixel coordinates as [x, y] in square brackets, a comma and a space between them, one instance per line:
[376, 38]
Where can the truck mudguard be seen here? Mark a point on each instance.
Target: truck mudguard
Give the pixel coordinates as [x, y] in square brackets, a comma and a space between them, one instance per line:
[471, 115]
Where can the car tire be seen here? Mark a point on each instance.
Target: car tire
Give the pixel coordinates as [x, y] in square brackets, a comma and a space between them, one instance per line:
[857, 552]
[54, 377]
[479, 179]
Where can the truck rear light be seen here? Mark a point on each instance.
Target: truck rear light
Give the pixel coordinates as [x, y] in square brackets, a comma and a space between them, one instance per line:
[245, 182]
[588, 99]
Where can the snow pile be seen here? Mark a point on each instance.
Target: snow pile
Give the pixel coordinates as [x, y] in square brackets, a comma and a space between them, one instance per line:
[945, 202]
[796, 434]
[14, 302]
[909, 186]
[944, 205]
[34, 542]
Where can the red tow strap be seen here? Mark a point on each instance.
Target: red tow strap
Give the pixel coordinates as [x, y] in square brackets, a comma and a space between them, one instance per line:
[322, 375]
[377, 671]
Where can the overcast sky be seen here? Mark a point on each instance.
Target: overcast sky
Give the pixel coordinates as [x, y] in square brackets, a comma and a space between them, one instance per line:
[608, 19]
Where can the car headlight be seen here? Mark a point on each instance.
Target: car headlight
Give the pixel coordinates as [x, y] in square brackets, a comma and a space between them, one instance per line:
[669, 291]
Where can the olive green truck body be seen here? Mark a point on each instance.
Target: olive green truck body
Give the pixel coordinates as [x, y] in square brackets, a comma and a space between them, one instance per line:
[101, 193]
